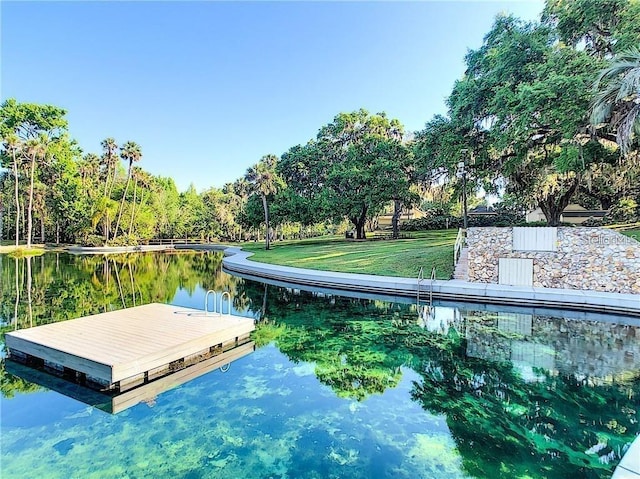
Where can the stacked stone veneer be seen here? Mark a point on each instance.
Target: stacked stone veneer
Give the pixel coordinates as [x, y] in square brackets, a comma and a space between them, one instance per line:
[595, 259]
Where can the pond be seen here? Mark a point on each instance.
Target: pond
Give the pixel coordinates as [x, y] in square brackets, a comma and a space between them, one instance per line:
[336, 388]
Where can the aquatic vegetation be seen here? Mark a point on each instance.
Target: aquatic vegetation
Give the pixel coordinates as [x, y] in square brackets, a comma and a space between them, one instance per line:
[339, 388]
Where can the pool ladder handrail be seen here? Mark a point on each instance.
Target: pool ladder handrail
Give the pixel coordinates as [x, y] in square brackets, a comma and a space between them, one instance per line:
[219, 311]
[420, 281]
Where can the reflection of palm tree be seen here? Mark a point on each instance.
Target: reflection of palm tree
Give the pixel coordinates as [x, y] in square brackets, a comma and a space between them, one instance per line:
[15, 310]
[29, 283]
[263, 316]
[115, 269]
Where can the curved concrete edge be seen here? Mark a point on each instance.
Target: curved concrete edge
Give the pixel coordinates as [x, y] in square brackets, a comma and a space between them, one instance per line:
[202, 247]
[117, 249]
[629, 466]
[236, 261]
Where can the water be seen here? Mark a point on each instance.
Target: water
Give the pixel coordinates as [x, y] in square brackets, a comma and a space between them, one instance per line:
[337, 388]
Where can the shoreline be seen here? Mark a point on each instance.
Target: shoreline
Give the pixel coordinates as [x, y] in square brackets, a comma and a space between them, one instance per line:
[236, 262]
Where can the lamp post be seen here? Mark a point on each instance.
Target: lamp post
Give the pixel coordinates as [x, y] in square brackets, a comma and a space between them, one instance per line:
[462, 173]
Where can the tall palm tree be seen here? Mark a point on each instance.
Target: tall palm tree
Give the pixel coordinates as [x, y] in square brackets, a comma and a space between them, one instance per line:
[13, 146]
[110, 160]
[618, 98]
[36, 149]
[264, 181]
[129, 152]
[88, 168]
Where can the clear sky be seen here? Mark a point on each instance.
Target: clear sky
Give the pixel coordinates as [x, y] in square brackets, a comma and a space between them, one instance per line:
[207, 88]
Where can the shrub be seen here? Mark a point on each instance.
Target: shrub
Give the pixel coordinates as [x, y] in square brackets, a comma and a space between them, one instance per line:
[93, 240]
[439, 222]
[625, 210]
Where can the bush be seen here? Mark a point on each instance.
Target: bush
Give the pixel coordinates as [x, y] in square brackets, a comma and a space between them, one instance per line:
[625, 211]
[593, 222]
[440, 222]
[93, 240]
[124, 240]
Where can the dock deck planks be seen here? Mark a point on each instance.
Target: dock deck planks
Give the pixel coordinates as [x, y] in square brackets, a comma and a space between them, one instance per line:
[119, 345]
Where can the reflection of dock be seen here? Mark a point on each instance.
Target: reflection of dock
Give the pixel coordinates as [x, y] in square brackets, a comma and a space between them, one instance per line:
[116, 402]
[123, 349]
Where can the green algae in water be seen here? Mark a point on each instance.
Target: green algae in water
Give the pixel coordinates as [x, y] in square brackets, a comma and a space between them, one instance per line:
[340, 388]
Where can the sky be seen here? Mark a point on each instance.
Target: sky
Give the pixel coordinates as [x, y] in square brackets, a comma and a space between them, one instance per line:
[207, 88]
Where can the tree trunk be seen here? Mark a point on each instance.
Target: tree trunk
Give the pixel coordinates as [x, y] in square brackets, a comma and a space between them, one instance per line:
[124, 195]
[30, 208]
[359, 223]
[106, 227]
[106, 180]
[57, 231]
[606, 202]
[395, 219]
[553, 206]
[1, 220]
[133, 206]
[15, 177]
[42, 228]
[266, 221]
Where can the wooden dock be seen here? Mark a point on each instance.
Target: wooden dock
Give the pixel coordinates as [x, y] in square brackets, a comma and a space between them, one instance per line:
[114, 402]
[123, 349]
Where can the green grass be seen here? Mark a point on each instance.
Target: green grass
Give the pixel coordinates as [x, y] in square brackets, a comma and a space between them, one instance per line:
[635, 234]
[22, 252]
[383, 257]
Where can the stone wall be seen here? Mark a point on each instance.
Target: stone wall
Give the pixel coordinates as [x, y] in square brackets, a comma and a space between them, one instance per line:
[595, 259]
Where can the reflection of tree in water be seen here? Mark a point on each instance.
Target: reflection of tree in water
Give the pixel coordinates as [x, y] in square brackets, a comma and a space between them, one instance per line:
[57, 287]
[509, 418]
[505, 423]
[351, 341]
[65, 286]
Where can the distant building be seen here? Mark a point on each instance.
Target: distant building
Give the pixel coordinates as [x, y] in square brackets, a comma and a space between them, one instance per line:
[573, 213]
[482, 211]
[385, 219]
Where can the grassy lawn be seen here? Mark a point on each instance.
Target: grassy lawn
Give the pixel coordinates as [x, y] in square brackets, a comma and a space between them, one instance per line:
[383, 257]
[21, 250]
[632, 233]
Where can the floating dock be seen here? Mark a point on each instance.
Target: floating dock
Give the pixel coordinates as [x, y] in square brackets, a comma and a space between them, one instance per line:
[114, 402]
[124, 349]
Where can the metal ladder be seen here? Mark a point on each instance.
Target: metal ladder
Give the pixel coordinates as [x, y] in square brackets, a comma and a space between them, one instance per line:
[421, 279]
[219, 311]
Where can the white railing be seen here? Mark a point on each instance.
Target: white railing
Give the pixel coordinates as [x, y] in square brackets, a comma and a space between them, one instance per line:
[433, 278]
[421, 279]
[458, 245]
[219, 311]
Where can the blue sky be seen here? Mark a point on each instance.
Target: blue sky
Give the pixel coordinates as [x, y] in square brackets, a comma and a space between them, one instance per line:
[207, 88]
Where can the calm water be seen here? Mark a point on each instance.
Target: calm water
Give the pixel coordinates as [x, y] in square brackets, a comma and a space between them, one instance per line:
[337, 388]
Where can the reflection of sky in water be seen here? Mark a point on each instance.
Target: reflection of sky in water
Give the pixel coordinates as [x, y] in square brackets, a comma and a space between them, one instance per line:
[265, 417]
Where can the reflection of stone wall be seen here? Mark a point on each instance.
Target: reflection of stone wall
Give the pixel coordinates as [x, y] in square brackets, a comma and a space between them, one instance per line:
[587, 349]
[586, 258]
